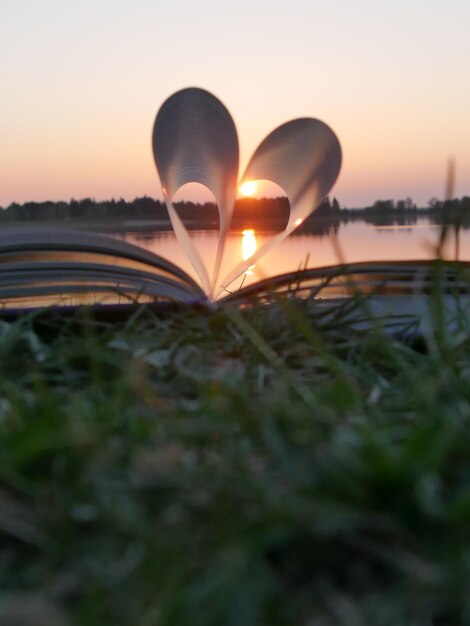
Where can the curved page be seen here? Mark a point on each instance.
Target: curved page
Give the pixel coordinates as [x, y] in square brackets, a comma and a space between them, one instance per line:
[39, 267]
[304, 158]
[195, 141]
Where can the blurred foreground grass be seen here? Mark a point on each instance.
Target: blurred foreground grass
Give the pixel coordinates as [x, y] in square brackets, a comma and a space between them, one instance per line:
[268, 467]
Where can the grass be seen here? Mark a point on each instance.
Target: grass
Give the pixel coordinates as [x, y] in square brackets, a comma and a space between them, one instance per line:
[271, 466]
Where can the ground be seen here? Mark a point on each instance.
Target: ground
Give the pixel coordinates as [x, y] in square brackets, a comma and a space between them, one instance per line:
[273, 465]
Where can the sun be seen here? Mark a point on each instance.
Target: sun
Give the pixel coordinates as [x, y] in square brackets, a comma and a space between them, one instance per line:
[248, 188]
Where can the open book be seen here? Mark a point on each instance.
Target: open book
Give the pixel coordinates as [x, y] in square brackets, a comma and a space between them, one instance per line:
[194, 141]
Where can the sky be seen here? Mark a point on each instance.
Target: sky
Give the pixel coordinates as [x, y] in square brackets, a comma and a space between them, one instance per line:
[81, 83]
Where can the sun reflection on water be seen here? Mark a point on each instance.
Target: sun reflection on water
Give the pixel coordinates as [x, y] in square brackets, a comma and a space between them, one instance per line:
[248, 247]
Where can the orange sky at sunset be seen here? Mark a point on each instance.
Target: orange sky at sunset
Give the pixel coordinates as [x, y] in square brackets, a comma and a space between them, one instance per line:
[82, 82]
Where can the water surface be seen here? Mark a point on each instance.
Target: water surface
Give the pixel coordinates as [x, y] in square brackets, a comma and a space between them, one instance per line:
[357, 241]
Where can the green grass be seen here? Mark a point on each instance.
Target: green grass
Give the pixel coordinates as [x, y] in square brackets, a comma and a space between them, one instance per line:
[244, 468]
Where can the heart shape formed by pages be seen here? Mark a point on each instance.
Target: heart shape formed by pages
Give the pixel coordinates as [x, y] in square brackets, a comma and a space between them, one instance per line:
[195, 141]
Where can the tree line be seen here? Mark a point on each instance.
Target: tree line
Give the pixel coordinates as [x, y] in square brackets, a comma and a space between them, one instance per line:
[255, 212]
[149, 209]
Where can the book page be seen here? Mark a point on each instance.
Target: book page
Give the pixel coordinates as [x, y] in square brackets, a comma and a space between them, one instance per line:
[195, 141]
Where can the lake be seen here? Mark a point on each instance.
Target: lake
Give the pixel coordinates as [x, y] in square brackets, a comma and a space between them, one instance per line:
[358, 241]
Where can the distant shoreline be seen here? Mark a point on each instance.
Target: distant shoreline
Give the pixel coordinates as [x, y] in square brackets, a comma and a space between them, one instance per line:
[265, 214]
[321, 226]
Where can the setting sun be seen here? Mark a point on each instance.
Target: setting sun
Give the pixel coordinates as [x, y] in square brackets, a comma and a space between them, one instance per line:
[248, 188]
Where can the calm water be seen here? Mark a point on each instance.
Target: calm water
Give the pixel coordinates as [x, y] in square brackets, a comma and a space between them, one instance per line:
[358, 241]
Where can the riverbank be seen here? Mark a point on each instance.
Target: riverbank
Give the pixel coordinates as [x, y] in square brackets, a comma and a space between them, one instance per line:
[268, 466]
